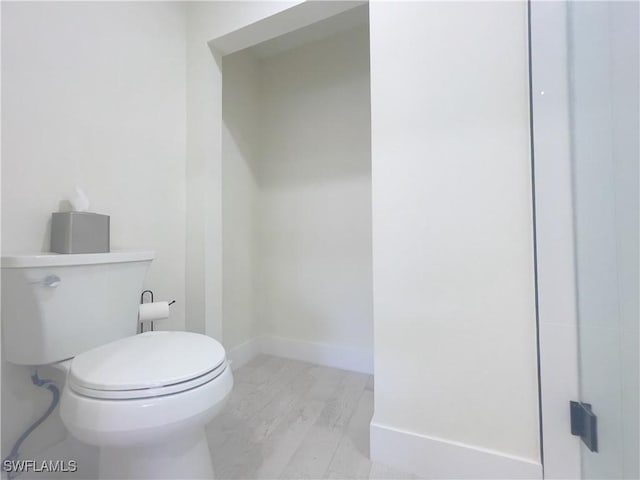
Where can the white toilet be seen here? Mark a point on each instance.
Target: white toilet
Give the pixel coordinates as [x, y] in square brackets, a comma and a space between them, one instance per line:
[143, 399]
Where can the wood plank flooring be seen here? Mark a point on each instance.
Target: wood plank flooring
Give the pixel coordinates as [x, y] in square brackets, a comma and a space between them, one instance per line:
[289, 419]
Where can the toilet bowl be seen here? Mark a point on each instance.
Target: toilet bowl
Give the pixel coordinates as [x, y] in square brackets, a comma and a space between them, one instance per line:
[145, 400]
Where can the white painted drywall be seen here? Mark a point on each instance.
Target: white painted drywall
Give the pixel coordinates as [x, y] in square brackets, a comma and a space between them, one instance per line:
[454, 314]
[314, 279]
[93, 94]
[255, 21]
[240, 152]
[205, 22]
[297, 196]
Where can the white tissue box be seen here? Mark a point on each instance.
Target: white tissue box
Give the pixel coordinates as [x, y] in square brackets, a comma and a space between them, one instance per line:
[79, 232]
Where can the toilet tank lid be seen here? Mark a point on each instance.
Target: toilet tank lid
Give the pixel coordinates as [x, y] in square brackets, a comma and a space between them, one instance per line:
[49, 259]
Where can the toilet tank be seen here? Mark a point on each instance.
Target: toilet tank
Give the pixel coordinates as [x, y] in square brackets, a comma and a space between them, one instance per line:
[55, 306]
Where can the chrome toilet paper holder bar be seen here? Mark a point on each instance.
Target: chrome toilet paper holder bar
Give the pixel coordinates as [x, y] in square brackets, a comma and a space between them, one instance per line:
[150, 292]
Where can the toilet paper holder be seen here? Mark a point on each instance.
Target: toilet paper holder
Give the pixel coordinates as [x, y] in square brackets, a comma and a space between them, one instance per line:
[150, 292]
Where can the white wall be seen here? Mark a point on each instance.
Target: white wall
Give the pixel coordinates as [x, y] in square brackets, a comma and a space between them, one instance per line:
[454, 314]
[314, 212]
[93, 94]
[297, 197]
[205, 22]
[215, 27]
[240, 151]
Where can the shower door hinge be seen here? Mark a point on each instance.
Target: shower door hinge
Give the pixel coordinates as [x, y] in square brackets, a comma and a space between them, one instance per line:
[584, 424]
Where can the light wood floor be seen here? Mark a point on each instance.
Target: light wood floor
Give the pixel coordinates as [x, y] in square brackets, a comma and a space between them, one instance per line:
[290, 419]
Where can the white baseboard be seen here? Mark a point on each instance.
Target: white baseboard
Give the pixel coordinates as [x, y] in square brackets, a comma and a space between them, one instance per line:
[430, 457]
[357, 360]
[244, 353]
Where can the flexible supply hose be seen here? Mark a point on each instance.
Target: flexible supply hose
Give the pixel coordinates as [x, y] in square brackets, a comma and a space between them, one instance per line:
[15, 451]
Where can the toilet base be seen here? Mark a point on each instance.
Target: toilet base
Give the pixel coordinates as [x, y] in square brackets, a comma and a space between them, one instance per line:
[187, 456]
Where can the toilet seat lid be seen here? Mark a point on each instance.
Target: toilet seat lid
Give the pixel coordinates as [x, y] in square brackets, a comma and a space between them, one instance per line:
[146, 361]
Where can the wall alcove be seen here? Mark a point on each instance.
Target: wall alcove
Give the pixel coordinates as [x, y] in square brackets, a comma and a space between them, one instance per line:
[296, 203]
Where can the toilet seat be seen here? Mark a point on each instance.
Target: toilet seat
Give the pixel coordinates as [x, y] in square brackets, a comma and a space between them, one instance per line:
[151, 364]
[143, 421]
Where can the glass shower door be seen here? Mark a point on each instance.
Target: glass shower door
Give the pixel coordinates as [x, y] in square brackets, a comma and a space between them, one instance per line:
[603, 85]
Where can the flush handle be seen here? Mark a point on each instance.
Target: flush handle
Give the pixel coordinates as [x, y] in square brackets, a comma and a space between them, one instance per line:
[51, 281]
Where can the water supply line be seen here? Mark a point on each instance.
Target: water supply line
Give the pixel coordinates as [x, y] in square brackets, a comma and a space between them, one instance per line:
[14, 455]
